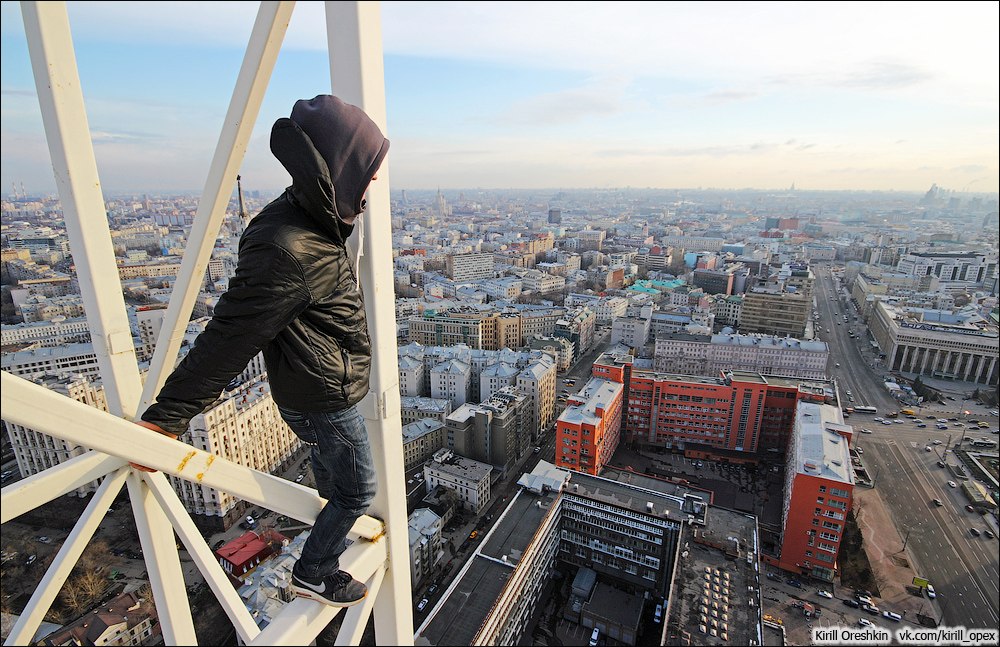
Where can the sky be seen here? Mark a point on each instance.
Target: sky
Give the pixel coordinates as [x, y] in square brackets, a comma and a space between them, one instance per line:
[869, 96]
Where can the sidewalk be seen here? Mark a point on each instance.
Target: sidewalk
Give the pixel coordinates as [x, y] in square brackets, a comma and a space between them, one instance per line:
[893, 567]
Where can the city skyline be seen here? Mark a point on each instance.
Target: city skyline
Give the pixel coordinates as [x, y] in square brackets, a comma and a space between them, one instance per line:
[841, 96]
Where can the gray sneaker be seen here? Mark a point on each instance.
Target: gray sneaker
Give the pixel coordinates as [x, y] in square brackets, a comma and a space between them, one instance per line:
[337, 590]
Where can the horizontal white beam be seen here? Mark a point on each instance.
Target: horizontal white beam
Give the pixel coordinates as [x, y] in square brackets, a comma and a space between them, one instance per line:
[49, 412]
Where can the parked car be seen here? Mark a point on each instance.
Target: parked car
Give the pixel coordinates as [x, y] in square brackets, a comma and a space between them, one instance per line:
[794, 582]
[825, 594]
[870, 608]
[931, 593]
[865, 622]
[854, 604]
[422, 604]
[891, 615]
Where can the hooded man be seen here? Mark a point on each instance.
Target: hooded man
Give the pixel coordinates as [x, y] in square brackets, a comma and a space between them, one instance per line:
[296, 297]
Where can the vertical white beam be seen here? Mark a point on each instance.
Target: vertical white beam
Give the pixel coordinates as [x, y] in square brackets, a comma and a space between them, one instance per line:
[67, 131]
[354, 32]
[258, 63]
[67, 557]
[159, 549]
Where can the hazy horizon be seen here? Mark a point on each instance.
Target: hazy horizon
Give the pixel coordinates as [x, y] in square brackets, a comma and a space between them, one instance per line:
[887, 97]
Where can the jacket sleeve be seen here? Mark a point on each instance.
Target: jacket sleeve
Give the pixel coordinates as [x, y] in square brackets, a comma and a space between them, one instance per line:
[267, 293]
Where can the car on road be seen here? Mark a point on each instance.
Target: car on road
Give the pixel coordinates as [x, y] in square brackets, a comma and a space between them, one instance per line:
[892, 615]
[931, 593]
[825, 594]
[952, 484]
[921, 425]
[938, 442]
[432, 589]
[44, 540]
[988, 534]
[866, 430]
[865, 622]
[927, 448]
[422, 604]
[940, 463]
[938, 503]
[886, 422]
[969, 507]
[974, 532]
[538, 449]
[793, 582]
[658, 613]
[871, 608]
[854, 604]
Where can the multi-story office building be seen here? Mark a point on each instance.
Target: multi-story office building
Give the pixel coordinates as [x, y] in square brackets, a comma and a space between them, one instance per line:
[76, 359]
[589, 429]
[609, 309]
[773, 311]
[149, 320]
[799, 277]
[948, 345]
[622, 527]
[578, 327]
[496, 432]
[496, 377]
[737, 413]
[411, 377]
[559, 348]
[468, 478]
[537, 382]
[469, 267]
[956, 270]
[713, 354]
[819, 488]
[421, 439]
[433, 329]
[542, 282]
[161, 267]
[36, 451]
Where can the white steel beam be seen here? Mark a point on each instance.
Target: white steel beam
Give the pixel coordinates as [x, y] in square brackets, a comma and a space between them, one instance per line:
[65, 560]
[166, 579]
[356, 620]
[67, 131]
[354, 35]
[38, 489]
[216, 578]
[258, 63]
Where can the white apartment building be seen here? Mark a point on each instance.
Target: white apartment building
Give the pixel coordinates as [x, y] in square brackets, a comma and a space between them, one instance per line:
[150, 269]
[727, 308]
[496, 377]
[559, 348]
[631, 331]
[537, 382]
[35, 451]
[469, 267]
[149, 321]
[411, 377]
[609, 309]
[426, 545]
[244, 426]
[421, 439]
[508, 287]
[450, 380]
[709, 355]
[469, 479]
[542, 283]
[67, 359]
[47, 333]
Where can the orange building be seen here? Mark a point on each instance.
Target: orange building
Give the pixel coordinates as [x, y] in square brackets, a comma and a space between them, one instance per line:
[589, 429]
[819, 490]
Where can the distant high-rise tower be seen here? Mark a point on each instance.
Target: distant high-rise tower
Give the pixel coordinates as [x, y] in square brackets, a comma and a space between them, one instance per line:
[555, 216]
[239, 194]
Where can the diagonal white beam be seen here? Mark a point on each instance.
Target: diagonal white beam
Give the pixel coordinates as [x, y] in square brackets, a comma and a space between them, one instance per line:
[358, 77]
[38, 489]
[216, 578]
[62, 565]
[67, 131]
[166, 579]
[251, 84]
[356, 620]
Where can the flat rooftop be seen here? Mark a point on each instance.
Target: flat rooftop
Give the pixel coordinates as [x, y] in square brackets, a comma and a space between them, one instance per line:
[715, 595]
[596, 394]
[822, 451]
[469, 600]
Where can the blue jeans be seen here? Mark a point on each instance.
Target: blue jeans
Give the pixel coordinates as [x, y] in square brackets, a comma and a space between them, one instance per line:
[345, 477]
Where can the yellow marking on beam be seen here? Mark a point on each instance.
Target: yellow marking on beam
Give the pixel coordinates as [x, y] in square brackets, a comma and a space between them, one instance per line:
[190, 455]
[208, 463]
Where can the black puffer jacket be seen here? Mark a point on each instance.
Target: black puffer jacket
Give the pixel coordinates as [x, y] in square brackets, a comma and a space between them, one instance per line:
[295, 294]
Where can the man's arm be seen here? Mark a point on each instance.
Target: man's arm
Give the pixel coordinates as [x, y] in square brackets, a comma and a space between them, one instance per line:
[267, 293]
